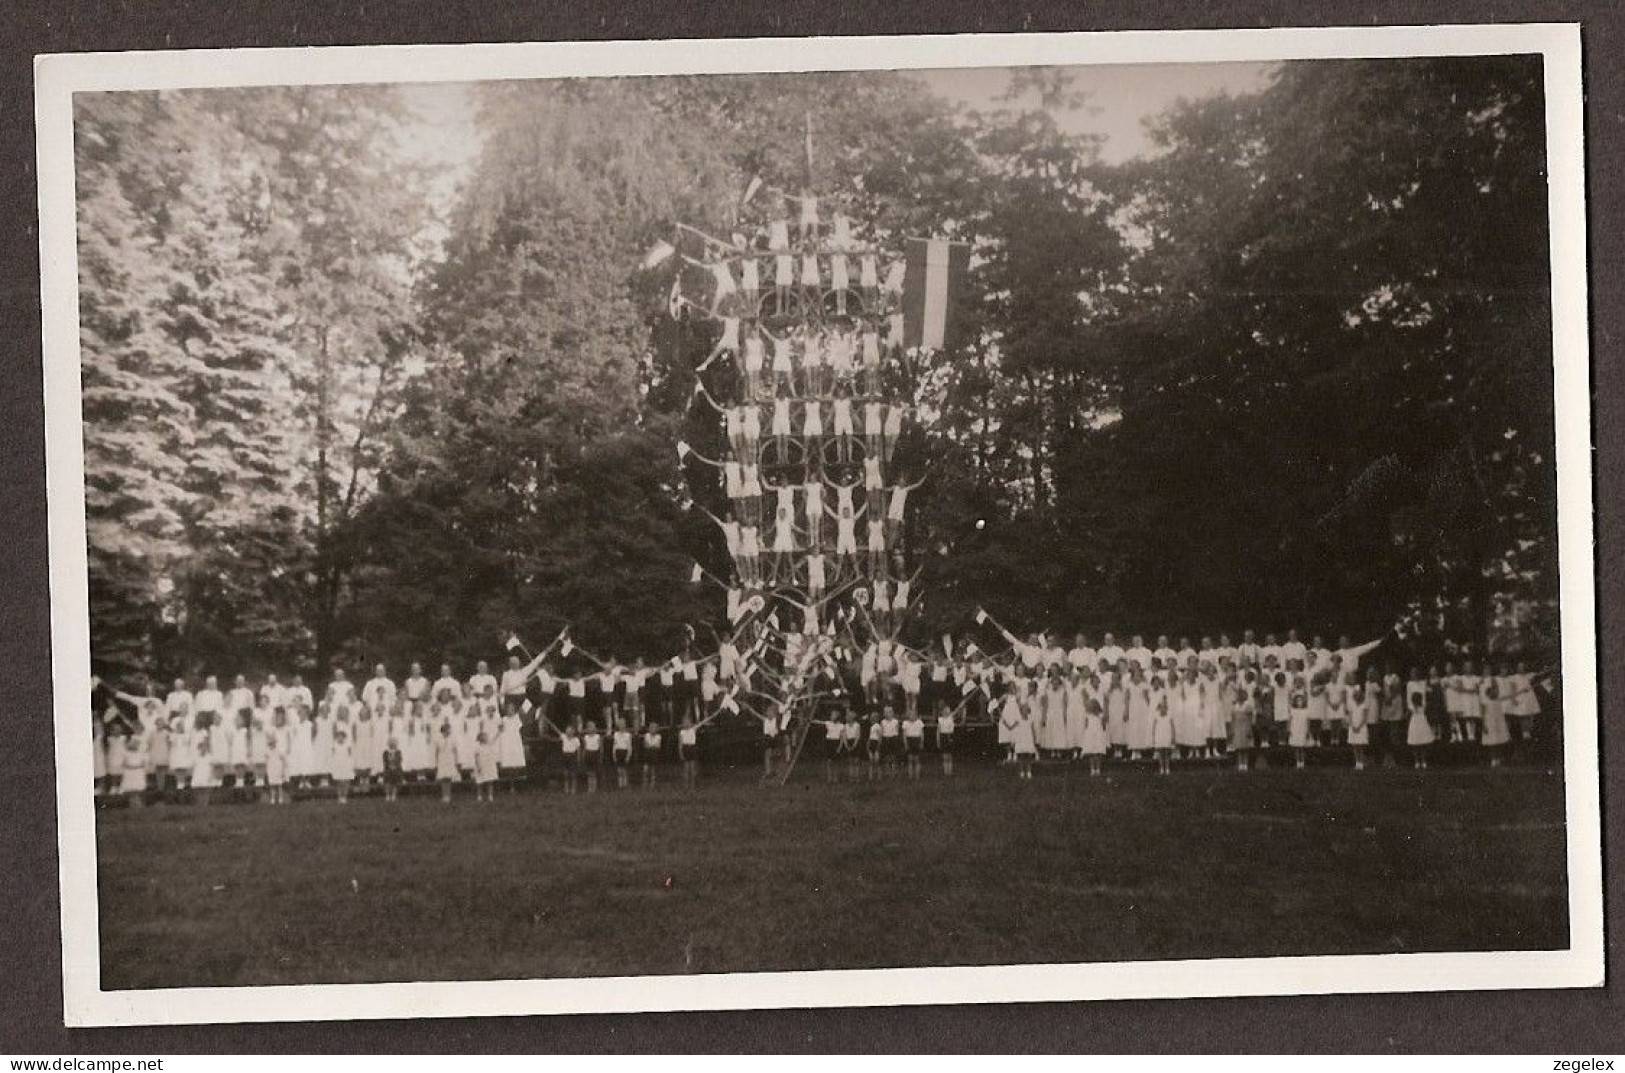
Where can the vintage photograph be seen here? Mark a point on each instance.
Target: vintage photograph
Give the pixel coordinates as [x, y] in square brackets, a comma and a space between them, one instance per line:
[559, 528]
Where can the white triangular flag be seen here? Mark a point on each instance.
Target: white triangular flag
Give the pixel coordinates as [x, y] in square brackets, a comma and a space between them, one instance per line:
[567, 647]
[696, 574]
[659, 252]
[981, 617]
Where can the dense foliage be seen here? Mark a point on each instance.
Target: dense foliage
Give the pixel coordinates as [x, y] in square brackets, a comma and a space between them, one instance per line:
[1292, 368]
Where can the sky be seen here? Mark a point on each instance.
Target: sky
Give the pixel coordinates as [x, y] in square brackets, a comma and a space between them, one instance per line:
[1120, 99]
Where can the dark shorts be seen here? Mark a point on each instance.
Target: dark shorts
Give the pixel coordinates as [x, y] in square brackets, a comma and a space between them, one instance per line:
[914, 745]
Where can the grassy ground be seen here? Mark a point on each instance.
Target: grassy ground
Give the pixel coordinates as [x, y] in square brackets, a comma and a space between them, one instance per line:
[976, 869]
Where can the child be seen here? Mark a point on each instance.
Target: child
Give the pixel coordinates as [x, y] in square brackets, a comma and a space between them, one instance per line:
[1009, 716]
[1298, 732]
[1092, 743]
[851, 742]
[1162, 726]
[891, 740]
[872, 747]
[1361, 714]
[620, 751]
[203, 776]
[276, 760]
[945, 736]
[1469, 691]
[1419, 730]
[913, 741]
[394, 769]
[1522, 704]
[688, 741]
[1243, 711]
[1022, 742]
[341, 764]
[569, 754]
[181, 753]
[133, 772]
[592, 754]
[157, 748]
[1492, 713]
[834, 730]
[485, 768]
[650, 753]
[445, 761]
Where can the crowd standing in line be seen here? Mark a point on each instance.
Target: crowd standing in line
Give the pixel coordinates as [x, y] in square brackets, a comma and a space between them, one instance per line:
[874, 714]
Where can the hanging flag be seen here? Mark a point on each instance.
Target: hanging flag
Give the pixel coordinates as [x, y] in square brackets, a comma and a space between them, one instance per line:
[682, 449]
[696, 574]
[933, 285]
[658, 253]
[513, 642]
[947, 646]
[526, 707]
[981, 617]
[567, 647]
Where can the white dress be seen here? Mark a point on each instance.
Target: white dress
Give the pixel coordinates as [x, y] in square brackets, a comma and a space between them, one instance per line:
[301, 749]
[1022, 736]
[510, 746]
[1092, 739]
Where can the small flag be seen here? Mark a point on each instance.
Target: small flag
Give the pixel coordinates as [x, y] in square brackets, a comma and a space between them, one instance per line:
[947, 645]
[513, 642]
[696, 574]
[751, 188]
[682, 449]
[658, 253]
[526, 707]
[981, 617]
[933, 285]
[674, 302]
[567, 647]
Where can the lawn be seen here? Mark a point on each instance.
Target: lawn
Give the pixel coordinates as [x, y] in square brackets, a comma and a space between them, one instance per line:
[975, 869]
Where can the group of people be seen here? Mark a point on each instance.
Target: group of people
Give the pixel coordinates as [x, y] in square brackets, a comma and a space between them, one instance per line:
[876, 711]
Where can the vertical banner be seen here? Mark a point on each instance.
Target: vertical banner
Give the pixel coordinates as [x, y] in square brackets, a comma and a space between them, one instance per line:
[933, 285]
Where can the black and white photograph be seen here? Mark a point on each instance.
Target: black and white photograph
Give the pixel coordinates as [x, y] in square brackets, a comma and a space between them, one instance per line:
[647, 526]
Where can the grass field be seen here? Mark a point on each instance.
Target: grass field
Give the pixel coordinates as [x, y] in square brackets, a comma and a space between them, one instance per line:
[976, 869]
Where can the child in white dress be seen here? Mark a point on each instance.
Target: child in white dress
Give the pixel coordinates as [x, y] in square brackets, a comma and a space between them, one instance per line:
[1492, 712]
[204, 779]
[341, 764]
[133, 776]
[1418, 731]
[1299, 734]
[485, 768]
[1022, 742]
[1162, 726]
[1361, 711]
[276, 760]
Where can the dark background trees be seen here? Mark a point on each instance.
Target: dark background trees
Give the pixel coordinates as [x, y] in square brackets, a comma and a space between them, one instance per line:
[1293, 368]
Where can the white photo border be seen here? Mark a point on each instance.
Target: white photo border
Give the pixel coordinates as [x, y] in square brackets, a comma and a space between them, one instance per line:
[58, 77]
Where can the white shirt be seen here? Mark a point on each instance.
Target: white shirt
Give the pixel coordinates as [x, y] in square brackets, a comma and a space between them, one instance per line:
[448, 683]
[1140, 655]
[478, 684]
[513, 682]
[1112, 654]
